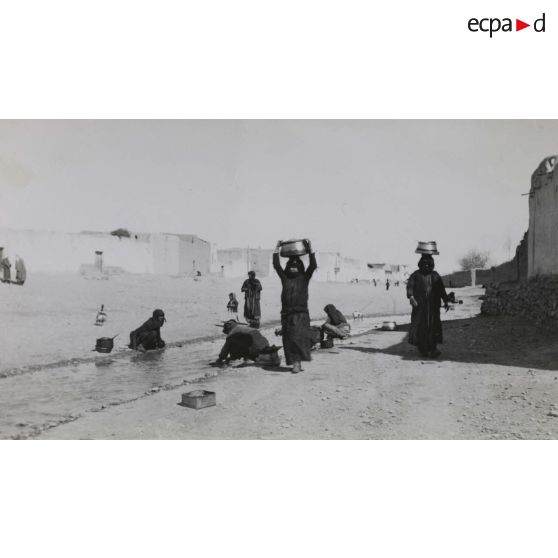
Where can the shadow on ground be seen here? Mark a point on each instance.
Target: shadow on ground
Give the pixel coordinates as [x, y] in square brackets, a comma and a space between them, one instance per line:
[501, 340]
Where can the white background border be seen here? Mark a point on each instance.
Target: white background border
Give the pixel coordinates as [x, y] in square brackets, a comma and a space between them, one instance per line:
[257, 59]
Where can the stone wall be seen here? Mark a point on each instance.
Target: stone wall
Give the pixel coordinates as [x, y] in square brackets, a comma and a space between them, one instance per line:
[536, 299]
[459, 279]
[508, 272]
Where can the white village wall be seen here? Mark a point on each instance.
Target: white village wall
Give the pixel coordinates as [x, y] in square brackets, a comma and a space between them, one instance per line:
[57, 252]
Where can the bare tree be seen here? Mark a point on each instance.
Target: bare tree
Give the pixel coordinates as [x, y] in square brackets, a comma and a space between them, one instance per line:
[475, 259]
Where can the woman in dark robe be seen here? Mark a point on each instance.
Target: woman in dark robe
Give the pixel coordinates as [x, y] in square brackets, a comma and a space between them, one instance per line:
[252, 289]
[425, 291]
[295, 319]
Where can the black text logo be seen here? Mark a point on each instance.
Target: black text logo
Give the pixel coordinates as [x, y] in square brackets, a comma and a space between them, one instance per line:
[493, 25]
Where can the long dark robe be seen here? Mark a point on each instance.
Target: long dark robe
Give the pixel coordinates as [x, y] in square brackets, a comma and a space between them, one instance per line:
[295, 319]
[426, 326]
[252, 288]
[243, 342]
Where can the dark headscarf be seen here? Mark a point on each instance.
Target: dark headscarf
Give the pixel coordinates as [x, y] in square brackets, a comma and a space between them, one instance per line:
[158, 314]
[229, 325]
[426, 263]
[298, 263]
[335, 316]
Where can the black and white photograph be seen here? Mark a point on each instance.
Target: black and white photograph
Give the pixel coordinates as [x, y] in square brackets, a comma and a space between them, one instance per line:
[279, 279]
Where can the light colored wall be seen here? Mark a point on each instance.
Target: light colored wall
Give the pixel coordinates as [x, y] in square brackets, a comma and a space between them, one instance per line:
[55, 252]
[332, 266]
[233, 261]
[327, 262]
[165, 254]
[261, 261]
[193, 249]
[237, 262]
[543, 220]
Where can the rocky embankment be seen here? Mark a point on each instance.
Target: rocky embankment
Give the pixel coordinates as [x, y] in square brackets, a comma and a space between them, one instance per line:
[536, 299]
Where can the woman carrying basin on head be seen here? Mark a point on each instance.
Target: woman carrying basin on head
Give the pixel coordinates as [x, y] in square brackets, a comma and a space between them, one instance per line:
[295, 318]
[426, 291]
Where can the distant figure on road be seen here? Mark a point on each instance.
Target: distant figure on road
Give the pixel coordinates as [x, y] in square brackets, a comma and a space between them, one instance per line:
[6, 270]
[232, 304]
[252, 289]
[387, 284]
[336, 324]
[148, 336]
[295, 318]
[21, 272]
[425, 291]
[247, 343]
[374, 281]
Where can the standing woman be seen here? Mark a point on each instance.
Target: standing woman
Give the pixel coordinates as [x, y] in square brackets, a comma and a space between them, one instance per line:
[295, 319]
[425, 291]
[252, 289]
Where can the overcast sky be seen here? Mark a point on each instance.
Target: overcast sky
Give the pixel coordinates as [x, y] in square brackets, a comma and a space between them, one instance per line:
[368, 188]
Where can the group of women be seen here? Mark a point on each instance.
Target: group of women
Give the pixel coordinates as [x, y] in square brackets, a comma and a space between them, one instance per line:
[425, 291]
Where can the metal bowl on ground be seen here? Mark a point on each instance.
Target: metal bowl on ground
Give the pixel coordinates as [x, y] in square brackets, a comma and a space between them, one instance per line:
[293, 248]
[427, 248]
[104, 344]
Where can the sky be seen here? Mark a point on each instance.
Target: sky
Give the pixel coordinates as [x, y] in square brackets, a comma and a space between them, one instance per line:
[366, 188]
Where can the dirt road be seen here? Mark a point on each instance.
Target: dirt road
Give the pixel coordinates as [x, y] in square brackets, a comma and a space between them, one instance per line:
[496, 379]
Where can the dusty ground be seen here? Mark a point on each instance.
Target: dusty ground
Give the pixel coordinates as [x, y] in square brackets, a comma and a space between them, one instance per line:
[51, 319]
[497, 379]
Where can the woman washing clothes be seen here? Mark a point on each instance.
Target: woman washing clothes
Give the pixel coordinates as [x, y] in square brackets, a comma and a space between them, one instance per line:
[336, 324]
[295, 318]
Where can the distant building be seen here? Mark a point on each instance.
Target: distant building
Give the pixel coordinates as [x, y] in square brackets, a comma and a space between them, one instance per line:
[332, 266]
[383, 271]
[158, 253]
[236, 262]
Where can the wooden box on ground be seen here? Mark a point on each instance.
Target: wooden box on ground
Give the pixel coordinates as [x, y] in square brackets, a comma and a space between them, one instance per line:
[199, 399]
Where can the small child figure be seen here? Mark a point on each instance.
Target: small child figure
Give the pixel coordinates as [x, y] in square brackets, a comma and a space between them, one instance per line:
[232, 305]
[101, 316]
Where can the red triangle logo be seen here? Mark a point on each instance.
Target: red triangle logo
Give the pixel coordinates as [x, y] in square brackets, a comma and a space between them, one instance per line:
[519, 25]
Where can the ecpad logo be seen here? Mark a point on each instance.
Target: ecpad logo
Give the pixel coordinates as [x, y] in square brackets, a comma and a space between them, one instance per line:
[493, 25]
